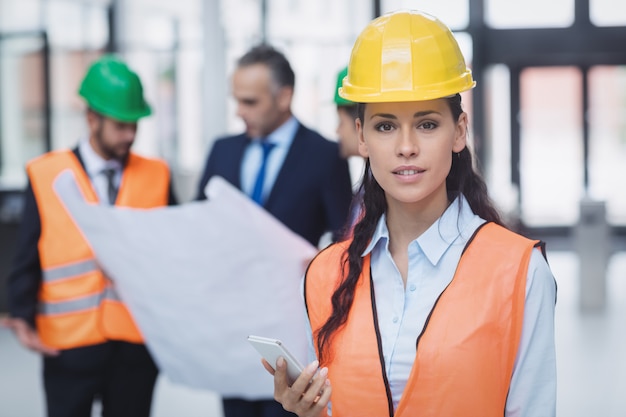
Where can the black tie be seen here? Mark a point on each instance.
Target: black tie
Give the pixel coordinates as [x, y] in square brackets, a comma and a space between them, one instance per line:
[111, 188]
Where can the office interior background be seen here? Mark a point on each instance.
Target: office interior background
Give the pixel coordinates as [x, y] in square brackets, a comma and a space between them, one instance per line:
[548, 123]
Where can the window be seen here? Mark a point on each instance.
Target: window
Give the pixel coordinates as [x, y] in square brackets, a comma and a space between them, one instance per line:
[454, 13]
[607, 139]
[607, 12]
[529, 14]
[22, 119]
[551, 160]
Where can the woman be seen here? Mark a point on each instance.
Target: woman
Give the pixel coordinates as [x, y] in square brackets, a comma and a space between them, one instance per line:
[433, 307]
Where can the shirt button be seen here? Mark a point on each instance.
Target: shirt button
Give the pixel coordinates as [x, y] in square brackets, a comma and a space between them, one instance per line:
[395, 319]
[412, 287]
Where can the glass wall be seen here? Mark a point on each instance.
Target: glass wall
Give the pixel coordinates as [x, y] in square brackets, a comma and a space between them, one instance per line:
[607, 12]
[607, 139]
[44, 48]
[454, 13]
[163, 41]
[160, 40]
[529, 14]
[552, 177]
[23, 121]
[498, 131]
[551, 163]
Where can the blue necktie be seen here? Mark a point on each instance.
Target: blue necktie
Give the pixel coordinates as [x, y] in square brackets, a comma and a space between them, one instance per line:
[257, 192]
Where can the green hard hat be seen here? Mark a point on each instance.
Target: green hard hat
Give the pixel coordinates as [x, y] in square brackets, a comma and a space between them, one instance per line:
[339, 100]
[114, 90]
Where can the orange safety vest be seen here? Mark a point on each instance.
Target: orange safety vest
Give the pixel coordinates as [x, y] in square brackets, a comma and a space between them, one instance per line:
[78, 305]
[466, 353]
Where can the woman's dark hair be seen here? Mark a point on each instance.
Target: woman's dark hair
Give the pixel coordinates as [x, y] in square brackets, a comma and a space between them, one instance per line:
[462, 179]
[351, 110]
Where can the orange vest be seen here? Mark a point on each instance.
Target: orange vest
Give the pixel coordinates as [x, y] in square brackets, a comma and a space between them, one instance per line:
[466, 353]
[78, 305]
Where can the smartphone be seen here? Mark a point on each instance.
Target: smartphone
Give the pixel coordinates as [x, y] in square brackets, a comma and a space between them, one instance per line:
[271, 349]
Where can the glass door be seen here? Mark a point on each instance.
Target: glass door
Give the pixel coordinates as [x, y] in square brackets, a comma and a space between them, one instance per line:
[24, 130]
[551, 165]
[607, 139]
[24, 104]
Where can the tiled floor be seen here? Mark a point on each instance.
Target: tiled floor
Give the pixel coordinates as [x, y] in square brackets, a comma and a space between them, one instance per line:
[591, 347]
[591, 353]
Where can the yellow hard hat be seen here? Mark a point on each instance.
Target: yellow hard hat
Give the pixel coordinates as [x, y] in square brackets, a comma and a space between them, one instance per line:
[405, 56]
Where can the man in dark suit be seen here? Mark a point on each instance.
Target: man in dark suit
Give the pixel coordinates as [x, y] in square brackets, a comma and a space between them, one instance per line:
[293, 172]
[307, 183]
[61, 304]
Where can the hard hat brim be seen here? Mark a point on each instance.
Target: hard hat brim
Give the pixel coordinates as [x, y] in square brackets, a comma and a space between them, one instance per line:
[423, 93]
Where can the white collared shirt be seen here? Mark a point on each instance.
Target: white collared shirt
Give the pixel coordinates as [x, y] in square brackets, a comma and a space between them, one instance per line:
[95, 166]
[433, 258]
[253, 155]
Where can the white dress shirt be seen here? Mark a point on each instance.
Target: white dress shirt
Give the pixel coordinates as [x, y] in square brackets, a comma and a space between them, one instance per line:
[433, 258]
[95, 166]
[253, 156]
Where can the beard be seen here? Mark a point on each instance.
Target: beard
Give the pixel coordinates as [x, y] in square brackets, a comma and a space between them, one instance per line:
[119, 152]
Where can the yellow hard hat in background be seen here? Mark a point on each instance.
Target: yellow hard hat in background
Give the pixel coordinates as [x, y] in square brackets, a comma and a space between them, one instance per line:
[405, 56]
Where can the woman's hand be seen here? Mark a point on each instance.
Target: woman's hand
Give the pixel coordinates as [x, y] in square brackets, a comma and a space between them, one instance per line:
[308, 396]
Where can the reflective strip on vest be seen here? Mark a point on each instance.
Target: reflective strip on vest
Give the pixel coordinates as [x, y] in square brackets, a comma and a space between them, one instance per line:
[111, 294]
[78, 304]
[68, 271]
[72, 306]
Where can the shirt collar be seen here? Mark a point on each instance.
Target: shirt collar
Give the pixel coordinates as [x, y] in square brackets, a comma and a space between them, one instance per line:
[94, 163]
[283, 136]
[435, 241]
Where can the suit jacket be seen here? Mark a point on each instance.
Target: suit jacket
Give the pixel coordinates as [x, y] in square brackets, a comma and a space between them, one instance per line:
[312, 192]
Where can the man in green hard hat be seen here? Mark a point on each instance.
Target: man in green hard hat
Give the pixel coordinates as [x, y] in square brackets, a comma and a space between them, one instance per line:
[348, 142]
[61, 304]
